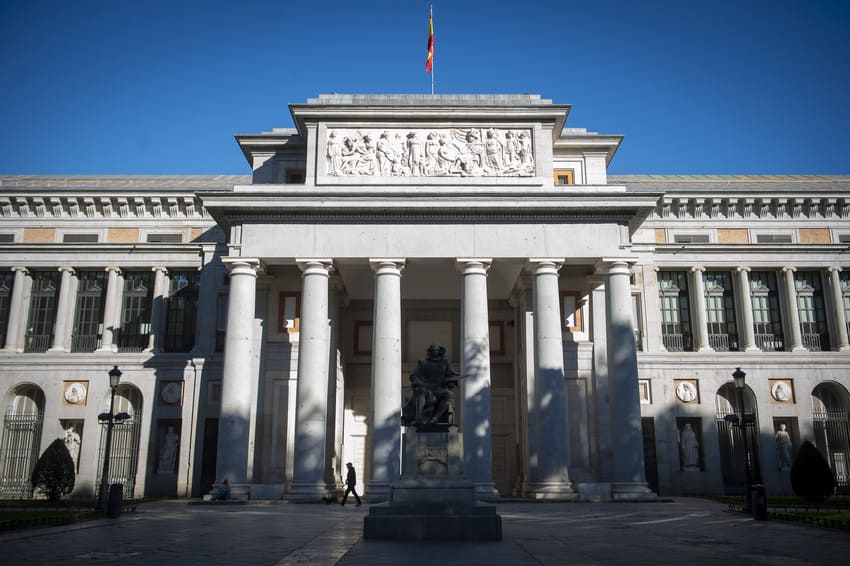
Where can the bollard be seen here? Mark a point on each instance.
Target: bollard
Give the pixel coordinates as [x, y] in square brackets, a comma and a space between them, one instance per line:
[759, 497]
[116, 500]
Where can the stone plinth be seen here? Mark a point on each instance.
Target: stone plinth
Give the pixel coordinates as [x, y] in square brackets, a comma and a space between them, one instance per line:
[433, 500]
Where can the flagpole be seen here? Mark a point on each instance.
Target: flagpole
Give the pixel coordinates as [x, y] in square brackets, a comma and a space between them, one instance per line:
[431, 31]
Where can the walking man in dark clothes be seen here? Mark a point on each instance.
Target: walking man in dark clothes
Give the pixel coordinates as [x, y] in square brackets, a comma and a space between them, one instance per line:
[351, 484]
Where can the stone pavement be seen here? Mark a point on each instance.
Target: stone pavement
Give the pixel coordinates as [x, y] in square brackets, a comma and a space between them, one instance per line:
[685, 531]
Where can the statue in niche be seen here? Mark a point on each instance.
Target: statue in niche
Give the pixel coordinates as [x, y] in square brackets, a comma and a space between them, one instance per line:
[690, 448]
[432, 402]
[168, 451]
[783, 448]
[72, 443]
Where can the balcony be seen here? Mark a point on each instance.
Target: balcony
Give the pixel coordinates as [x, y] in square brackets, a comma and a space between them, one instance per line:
[770, 343]
[85, 342]
[37, 342]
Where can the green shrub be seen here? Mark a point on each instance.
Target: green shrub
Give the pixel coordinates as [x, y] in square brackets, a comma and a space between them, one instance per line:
[54, 474]
[811, 476]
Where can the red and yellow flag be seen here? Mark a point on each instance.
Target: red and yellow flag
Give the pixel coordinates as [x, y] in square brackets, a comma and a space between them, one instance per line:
[429, 62]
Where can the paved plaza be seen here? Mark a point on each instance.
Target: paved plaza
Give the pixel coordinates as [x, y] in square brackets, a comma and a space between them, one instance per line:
[680, 531]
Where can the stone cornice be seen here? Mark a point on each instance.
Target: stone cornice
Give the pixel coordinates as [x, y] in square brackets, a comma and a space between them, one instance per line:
[810, 206]
[103, 206]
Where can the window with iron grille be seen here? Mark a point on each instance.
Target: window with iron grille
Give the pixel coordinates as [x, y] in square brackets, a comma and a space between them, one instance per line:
[767, 320]
[79, 238]
[720, 311]
[88, 317]
[7, 281]
[161, 238]
[136, 311]
[675, 311]
[7, 238]
[182, 310]
[221, 305]
[810, 306]
[42, 314]
[773, 238]
[690, 238]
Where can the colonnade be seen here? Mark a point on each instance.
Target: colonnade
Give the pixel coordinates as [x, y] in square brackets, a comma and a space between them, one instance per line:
[547, 409]
[834, 299]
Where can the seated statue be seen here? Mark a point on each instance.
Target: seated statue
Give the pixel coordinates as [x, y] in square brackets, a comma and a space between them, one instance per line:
[432, 401]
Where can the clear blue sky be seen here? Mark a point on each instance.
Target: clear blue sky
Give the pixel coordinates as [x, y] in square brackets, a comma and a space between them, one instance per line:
[161, 86]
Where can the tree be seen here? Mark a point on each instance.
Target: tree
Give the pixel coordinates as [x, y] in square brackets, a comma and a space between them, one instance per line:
[811, 476]
[54, 474]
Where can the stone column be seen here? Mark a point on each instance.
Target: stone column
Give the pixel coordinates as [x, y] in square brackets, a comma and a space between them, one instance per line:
[111, 310]
[312, 390]
[523, 301]
[629, 478]
[601, 385]
[476, 418]
[700, 316]
[62, 307]
[16, 310]
[838, 308]
[385, 431]
[236, 386]
[793, 311]
[156, 340]
[205, 322]
[550, 391]
[745, 294]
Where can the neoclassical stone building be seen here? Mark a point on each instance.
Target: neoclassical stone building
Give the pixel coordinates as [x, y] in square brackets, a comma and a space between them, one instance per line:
[266, 325]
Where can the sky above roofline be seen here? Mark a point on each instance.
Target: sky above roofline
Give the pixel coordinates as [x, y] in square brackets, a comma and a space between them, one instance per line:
[160, 87]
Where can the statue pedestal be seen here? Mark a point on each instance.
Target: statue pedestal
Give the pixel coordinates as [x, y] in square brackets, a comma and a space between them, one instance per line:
[433, 500]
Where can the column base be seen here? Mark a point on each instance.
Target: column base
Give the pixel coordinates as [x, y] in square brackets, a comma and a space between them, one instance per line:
[107, 350]
[486, 491]
[632, 491]
[551, 491]
[799, 349]
[752, 349]
[705, 349]
[240, 491]
[307, 492]
[377, 491]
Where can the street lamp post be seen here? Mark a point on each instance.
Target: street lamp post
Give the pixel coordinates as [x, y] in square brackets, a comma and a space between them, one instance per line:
[740, 383]
[109, 418]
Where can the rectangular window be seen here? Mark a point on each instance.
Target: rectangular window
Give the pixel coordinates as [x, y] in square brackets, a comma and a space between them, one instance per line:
[7, 282]
[88, 318]
[564, 177]
[812, 311]
[773, 238]
[80, 238]
[675, 311]
[182, 310]
[289, 311]
[571, 311]
[221, 320]
[134, 334]
[720, 311]
[42, 315]
[844, 281]
[767, 322]
[295, 177]
[7, 238]
[691, 238]
[160, 238]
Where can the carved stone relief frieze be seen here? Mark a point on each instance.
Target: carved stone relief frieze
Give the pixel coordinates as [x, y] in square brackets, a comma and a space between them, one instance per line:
[424, 152]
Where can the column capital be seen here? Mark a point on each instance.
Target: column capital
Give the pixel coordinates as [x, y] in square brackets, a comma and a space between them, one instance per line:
[242, 265]
[113, 268]
[21, 268]
[161, 268]
[834, 269]
[698, 268]
[383, 266]
[743, 269]
[473, 265]
[312, 266]
[539, 266]
[67, 268]
[789, 269]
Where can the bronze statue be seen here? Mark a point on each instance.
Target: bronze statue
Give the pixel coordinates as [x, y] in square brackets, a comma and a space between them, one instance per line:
[432, 401]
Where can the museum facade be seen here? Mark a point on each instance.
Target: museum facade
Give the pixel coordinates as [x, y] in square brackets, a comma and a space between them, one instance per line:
[266, 326]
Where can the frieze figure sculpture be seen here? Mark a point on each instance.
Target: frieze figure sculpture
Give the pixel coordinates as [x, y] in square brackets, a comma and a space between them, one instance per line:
[419, 152]
[432, 401]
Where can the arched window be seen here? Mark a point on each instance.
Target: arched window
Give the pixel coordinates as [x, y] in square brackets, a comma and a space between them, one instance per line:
[21, 440]
[730, 437]
[830, 405]
[124, 451]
